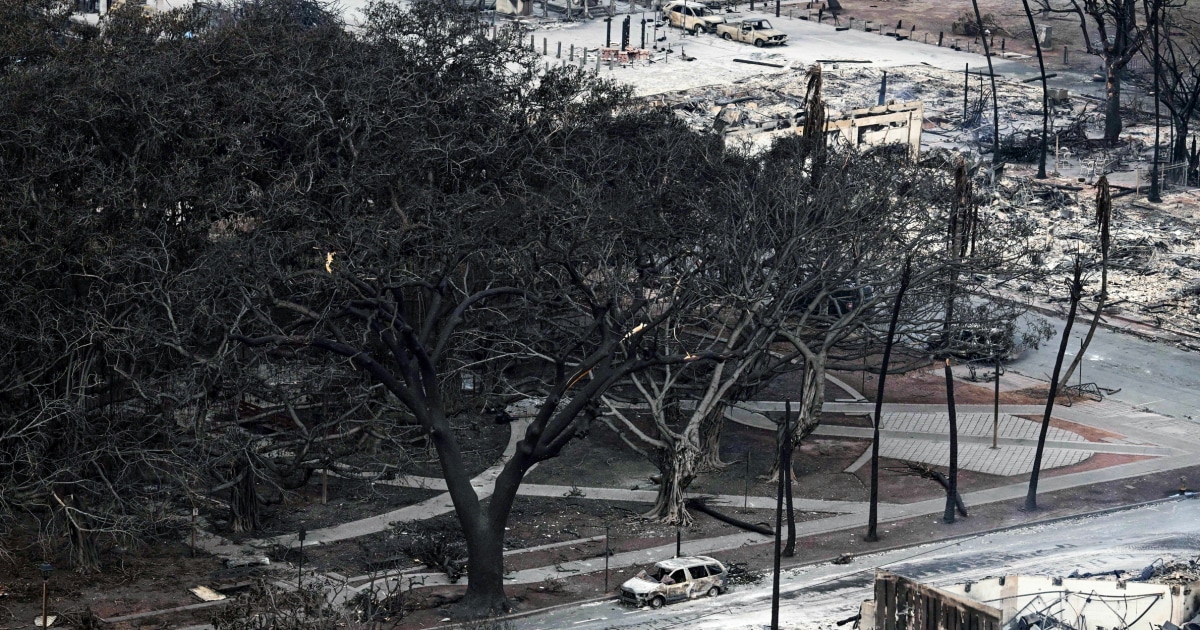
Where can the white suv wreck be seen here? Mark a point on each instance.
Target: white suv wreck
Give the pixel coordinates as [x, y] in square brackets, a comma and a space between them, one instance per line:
[674, 580]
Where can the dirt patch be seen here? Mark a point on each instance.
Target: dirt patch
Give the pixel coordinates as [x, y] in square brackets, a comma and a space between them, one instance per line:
[600, 460]
[1095, 462]
[535, 522]
[348, 500]
[924, 386]
[156, 576]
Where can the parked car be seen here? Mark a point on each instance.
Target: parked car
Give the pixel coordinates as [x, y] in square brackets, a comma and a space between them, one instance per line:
[758, 32]
[674, 580]
[692, 16]
[976, 342]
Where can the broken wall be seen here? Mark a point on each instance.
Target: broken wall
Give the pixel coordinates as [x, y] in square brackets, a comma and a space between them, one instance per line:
[1083, 603]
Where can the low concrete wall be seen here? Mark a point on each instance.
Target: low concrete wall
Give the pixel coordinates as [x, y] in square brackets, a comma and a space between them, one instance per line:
[1092, 604]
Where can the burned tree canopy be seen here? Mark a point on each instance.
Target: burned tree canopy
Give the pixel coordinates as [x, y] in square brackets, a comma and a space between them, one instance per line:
[413, 193]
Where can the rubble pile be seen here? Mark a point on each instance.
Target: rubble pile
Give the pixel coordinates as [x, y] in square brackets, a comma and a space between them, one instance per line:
[1154, 259]
[1154, 267]
[1183, 573]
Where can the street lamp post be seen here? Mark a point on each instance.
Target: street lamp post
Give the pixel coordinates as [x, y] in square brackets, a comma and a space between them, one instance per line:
[45, 568]
[606, 554]
[300, 572]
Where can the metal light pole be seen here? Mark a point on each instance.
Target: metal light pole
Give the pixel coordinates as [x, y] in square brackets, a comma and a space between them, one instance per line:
[996, 407]
[300, 571]
[45, 568]
[606, 554]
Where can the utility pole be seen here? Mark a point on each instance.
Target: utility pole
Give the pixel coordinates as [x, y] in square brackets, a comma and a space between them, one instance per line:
[996, 407]
[784, 437]
[1155, 180]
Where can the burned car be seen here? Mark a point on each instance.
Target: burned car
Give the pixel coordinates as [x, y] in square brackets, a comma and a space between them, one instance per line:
[674, 580]
[758, 32]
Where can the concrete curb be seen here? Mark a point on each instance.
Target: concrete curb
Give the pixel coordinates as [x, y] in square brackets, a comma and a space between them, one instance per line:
[806, 563]
[577, 603]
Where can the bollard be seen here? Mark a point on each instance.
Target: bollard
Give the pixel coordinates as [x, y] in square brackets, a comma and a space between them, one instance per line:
[1003, 41]
[545, 44]
[1064, 55]
[572, 53]
[558, 55]
[533, 43]
[597, 63]
[941, 34]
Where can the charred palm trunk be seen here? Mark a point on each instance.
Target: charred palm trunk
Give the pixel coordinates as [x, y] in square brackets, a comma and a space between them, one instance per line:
[1037, 47]
[987, 53]
[1103, 223]
[873, 513]
[1076, 290]
[952, 482]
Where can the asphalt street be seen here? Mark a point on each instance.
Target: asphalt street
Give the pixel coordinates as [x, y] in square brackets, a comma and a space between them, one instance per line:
[816, 596]
[1154, 375]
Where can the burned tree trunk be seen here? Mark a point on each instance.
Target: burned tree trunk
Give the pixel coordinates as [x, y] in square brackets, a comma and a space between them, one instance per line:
[85, 553]
[485, 584]
[243, 499]
[1112, 103]
[710, 438]
[812, 397]
[677, 466]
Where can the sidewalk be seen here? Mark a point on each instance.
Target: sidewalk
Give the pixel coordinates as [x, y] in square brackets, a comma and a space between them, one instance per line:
[909, 431]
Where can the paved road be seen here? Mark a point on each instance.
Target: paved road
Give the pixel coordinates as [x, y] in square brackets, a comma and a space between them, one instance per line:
[1158, 376]
[813, 597]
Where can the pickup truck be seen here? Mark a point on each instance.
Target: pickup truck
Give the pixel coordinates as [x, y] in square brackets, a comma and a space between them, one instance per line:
[754, 31]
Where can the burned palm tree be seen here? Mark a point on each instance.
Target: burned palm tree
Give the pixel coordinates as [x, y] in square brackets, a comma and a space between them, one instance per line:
[873, 514]
[1076, 289]
[1037, 47]
[1103, 225]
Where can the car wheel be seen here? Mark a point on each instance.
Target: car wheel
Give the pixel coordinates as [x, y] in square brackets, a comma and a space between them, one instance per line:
[758, 43]
[714, 591]
[727, 37]
[657, 603]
